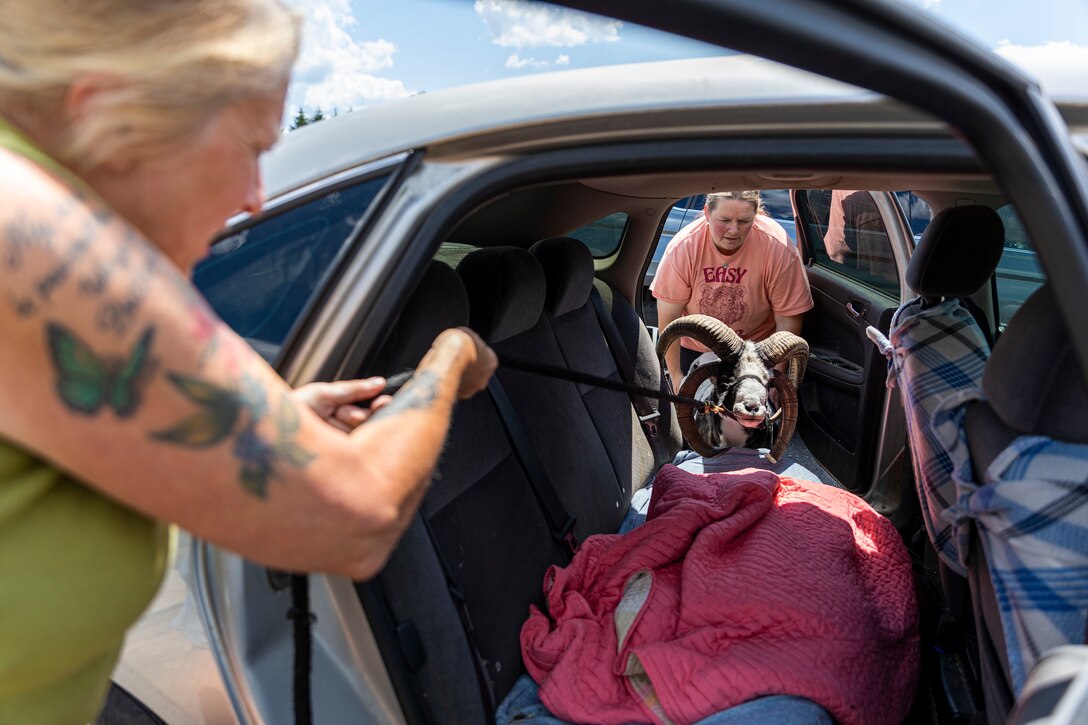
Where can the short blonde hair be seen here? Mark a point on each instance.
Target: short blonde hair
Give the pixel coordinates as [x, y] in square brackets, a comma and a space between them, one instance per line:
[167, 65]
[751, 196]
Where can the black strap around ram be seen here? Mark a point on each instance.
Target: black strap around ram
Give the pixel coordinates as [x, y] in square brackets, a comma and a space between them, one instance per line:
[645, 408]
[560, 521]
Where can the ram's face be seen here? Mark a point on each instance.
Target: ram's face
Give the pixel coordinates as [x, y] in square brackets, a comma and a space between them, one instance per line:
[745, 391]
[740, 388]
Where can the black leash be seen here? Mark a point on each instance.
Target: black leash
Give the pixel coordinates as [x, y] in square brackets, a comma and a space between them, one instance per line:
[396, 382]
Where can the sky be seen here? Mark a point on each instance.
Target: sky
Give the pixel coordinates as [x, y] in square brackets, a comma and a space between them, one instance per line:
[359, 53]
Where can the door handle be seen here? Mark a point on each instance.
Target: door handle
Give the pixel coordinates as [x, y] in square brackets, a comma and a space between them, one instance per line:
[853, 310]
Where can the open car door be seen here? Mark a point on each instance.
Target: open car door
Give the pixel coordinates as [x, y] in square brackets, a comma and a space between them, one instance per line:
[855, 246]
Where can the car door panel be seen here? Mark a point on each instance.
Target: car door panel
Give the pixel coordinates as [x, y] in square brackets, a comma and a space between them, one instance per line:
[841, 408]
[854, 274]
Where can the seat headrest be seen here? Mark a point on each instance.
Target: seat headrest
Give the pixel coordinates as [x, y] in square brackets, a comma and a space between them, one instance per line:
[1032, 379]
[958, 252]
[438, 303]
[505, 291]
[568, 272]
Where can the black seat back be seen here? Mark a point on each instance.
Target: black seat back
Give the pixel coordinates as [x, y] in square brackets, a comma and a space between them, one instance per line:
[956, 256]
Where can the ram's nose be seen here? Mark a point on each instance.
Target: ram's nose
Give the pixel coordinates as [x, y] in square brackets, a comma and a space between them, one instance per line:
[750, 412]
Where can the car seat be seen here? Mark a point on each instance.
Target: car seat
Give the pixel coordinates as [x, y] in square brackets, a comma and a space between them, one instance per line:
[940, 348]
[1027, 555]
[938, 351]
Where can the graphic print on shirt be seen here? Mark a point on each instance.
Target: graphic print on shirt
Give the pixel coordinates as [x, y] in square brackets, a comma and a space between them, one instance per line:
[725, 302]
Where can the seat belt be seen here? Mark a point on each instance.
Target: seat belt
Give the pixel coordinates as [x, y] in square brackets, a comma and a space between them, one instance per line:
[560, 521]
[648, 414]
[487, 692]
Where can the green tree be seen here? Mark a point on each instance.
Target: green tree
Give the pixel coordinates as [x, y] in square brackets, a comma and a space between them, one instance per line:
[300, 119]
[318, 116]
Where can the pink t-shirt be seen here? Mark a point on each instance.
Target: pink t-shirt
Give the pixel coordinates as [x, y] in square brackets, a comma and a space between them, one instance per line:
[744, 290]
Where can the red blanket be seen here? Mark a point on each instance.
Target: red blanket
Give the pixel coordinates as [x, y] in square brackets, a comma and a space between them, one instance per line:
[738, 585]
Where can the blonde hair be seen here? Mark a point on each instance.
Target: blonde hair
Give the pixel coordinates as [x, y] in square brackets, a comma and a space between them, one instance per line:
[166, 66]
[750, 196]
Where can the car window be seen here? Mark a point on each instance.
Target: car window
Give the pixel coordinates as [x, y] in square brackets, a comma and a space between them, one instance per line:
[777, 205]
[916, 210]
[1018, 272]
[847, 235]
[260, 279]
[603, 236]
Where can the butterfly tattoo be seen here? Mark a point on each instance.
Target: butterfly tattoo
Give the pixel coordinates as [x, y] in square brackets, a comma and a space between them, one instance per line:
[223, 413]
[87, 382]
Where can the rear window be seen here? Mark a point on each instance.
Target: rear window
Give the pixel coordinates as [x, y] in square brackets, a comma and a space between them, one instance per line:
[260, 279]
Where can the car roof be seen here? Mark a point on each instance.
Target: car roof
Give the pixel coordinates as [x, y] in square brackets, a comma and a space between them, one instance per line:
[508, 115]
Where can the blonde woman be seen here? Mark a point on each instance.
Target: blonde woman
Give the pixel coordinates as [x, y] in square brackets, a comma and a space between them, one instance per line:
[735, 264]
[129, 132]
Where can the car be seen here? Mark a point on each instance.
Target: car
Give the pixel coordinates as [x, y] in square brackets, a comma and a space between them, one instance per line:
[346, 271]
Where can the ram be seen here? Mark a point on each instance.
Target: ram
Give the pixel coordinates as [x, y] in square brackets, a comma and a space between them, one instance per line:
[739, 373]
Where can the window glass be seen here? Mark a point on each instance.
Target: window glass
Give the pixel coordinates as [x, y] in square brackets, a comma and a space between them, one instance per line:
[917, 212]
[451, 253]
[260, 279]
[603, 236]
[776, 203]
[848, 236]
[1018, 272]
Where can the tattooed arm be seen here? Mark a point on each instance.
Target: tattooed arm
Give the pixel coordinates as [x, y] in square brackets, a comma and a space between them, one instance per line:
[116, 371]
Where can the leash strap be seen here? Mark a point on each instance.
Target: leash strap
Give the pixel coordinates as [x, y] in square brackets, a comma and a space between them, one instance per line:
[394, 383]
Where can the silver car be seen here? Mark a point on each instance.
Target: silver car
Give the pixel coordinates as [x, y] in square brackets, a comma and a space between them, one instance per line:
[362, 207]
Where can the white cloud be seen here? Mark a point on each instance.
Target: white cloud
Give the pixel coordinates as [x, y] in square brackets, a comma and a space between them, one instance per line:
[334, 69]
[931, 4]
[516, 61]
[522, 24]
[1060, 67]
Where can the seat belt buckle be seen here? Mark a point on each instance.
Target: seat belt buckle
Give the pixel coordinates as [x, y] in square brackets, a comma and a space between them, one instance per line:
[649, 422]
[566, 536]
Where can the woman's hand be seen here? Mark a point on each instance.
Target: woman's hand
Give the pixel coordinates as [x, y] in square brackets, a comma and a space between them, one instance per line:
[338, 403]
[480, 360]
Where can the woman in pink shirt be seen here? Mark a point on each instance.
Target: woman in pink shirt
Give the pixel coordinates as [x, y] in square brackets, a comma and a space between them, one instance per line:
[732, 264]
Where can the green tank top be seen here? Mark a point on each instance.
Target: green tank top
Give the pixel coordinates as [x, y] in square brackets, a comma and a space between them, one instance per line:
[76, 570]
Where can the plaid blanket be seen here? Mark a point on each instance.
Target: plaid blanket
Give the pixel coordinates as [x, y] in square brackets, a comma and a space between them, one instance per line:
[934, 354]
[1030, 510]
[1031, 517]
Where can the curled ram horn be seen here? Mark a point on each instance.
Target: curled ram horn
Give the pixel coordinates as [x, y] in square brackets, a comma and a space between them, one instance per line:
[711, 332]
[723, 342]
[685, 413]
[787, 403]
[782, 346]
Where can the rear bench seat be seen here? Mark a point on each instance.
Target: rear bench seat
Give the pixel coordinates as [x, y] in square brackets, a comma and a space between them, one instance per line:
[481, 517]
[588, 440]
